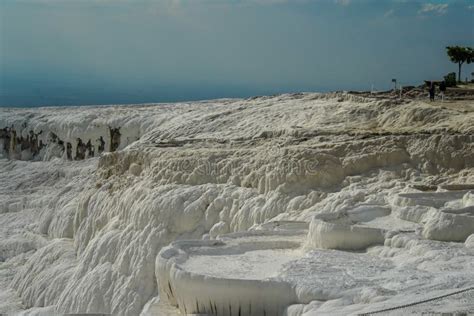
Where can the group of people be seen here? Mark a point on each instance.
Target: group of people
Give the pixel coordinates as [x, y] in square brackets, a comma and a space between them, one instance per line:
[432, 90]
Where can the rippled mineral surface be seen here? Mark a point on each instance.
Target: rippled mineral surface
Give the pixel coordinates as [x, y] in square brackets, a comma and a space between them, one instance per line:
[297, 204]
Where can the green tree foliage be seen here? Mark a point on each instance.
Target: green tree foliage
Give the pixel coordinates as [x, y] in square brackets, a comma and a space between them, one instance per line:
[460, 55]
[450, 79]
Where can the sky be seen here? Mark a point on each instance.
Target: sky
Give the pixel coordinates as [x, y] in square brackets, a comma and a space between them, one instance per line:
[73, 52]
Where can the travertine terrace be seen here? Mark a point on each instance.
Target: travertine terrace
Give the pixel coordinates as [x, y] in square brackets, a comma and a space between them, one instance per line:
[297, 204]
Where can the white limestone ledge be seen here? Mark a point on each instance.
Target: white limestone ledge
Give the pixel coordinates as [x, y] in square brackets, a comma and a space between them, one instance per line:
[341, 231]
[237, 274]
[445, 216]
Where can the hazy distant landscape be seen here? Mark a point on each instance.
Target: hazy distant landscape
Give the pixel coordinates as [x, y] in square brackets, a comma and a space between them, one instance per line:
[56, 52]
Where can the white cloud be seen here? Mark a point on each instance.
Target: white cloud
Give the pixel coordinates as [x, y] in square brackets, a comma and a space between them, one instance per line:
[389, 13]
[431, 8]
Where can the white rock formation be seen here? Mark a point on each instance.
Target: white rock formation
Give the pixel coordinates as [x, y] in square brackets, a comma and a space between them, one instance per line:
[336, 231]
[446, 216]
[81, 225]
[235, 276]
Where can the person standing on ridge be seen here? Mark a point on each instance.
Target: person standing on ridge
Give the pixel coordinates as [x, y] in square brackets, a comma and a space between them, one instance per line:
[432, 91]
[442, 89]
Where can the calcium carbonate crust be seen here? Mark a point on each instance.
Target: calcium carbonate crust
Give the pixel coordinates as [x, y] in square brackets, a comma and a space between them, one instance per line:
[81, 226]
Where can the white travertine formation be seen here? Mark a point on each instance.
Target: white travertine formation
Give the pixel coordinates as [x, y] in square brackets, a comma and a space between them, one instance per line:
[470, 241]
[336, 231]
[81, 225]
[238, 275]
[446, 216]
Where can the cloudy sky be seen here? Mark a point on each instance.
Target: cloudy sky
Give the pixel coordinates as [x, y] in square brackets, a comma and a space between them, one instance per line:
[130, 51]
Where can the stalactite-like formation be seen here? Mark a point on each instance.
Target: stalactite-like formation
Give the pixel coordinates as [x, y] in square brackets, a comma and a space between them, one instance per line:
[14, 143]
[114, 138]
[16, 146]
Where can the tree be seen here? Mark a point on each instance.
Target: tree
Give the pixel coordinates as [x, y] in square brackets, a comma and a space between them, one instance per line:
[460, 55]
[450, 79]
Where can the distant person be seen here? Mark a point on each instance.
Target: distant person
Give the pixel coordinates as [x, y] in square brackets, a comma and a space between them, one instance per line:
[432, 91]
[442, 89]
